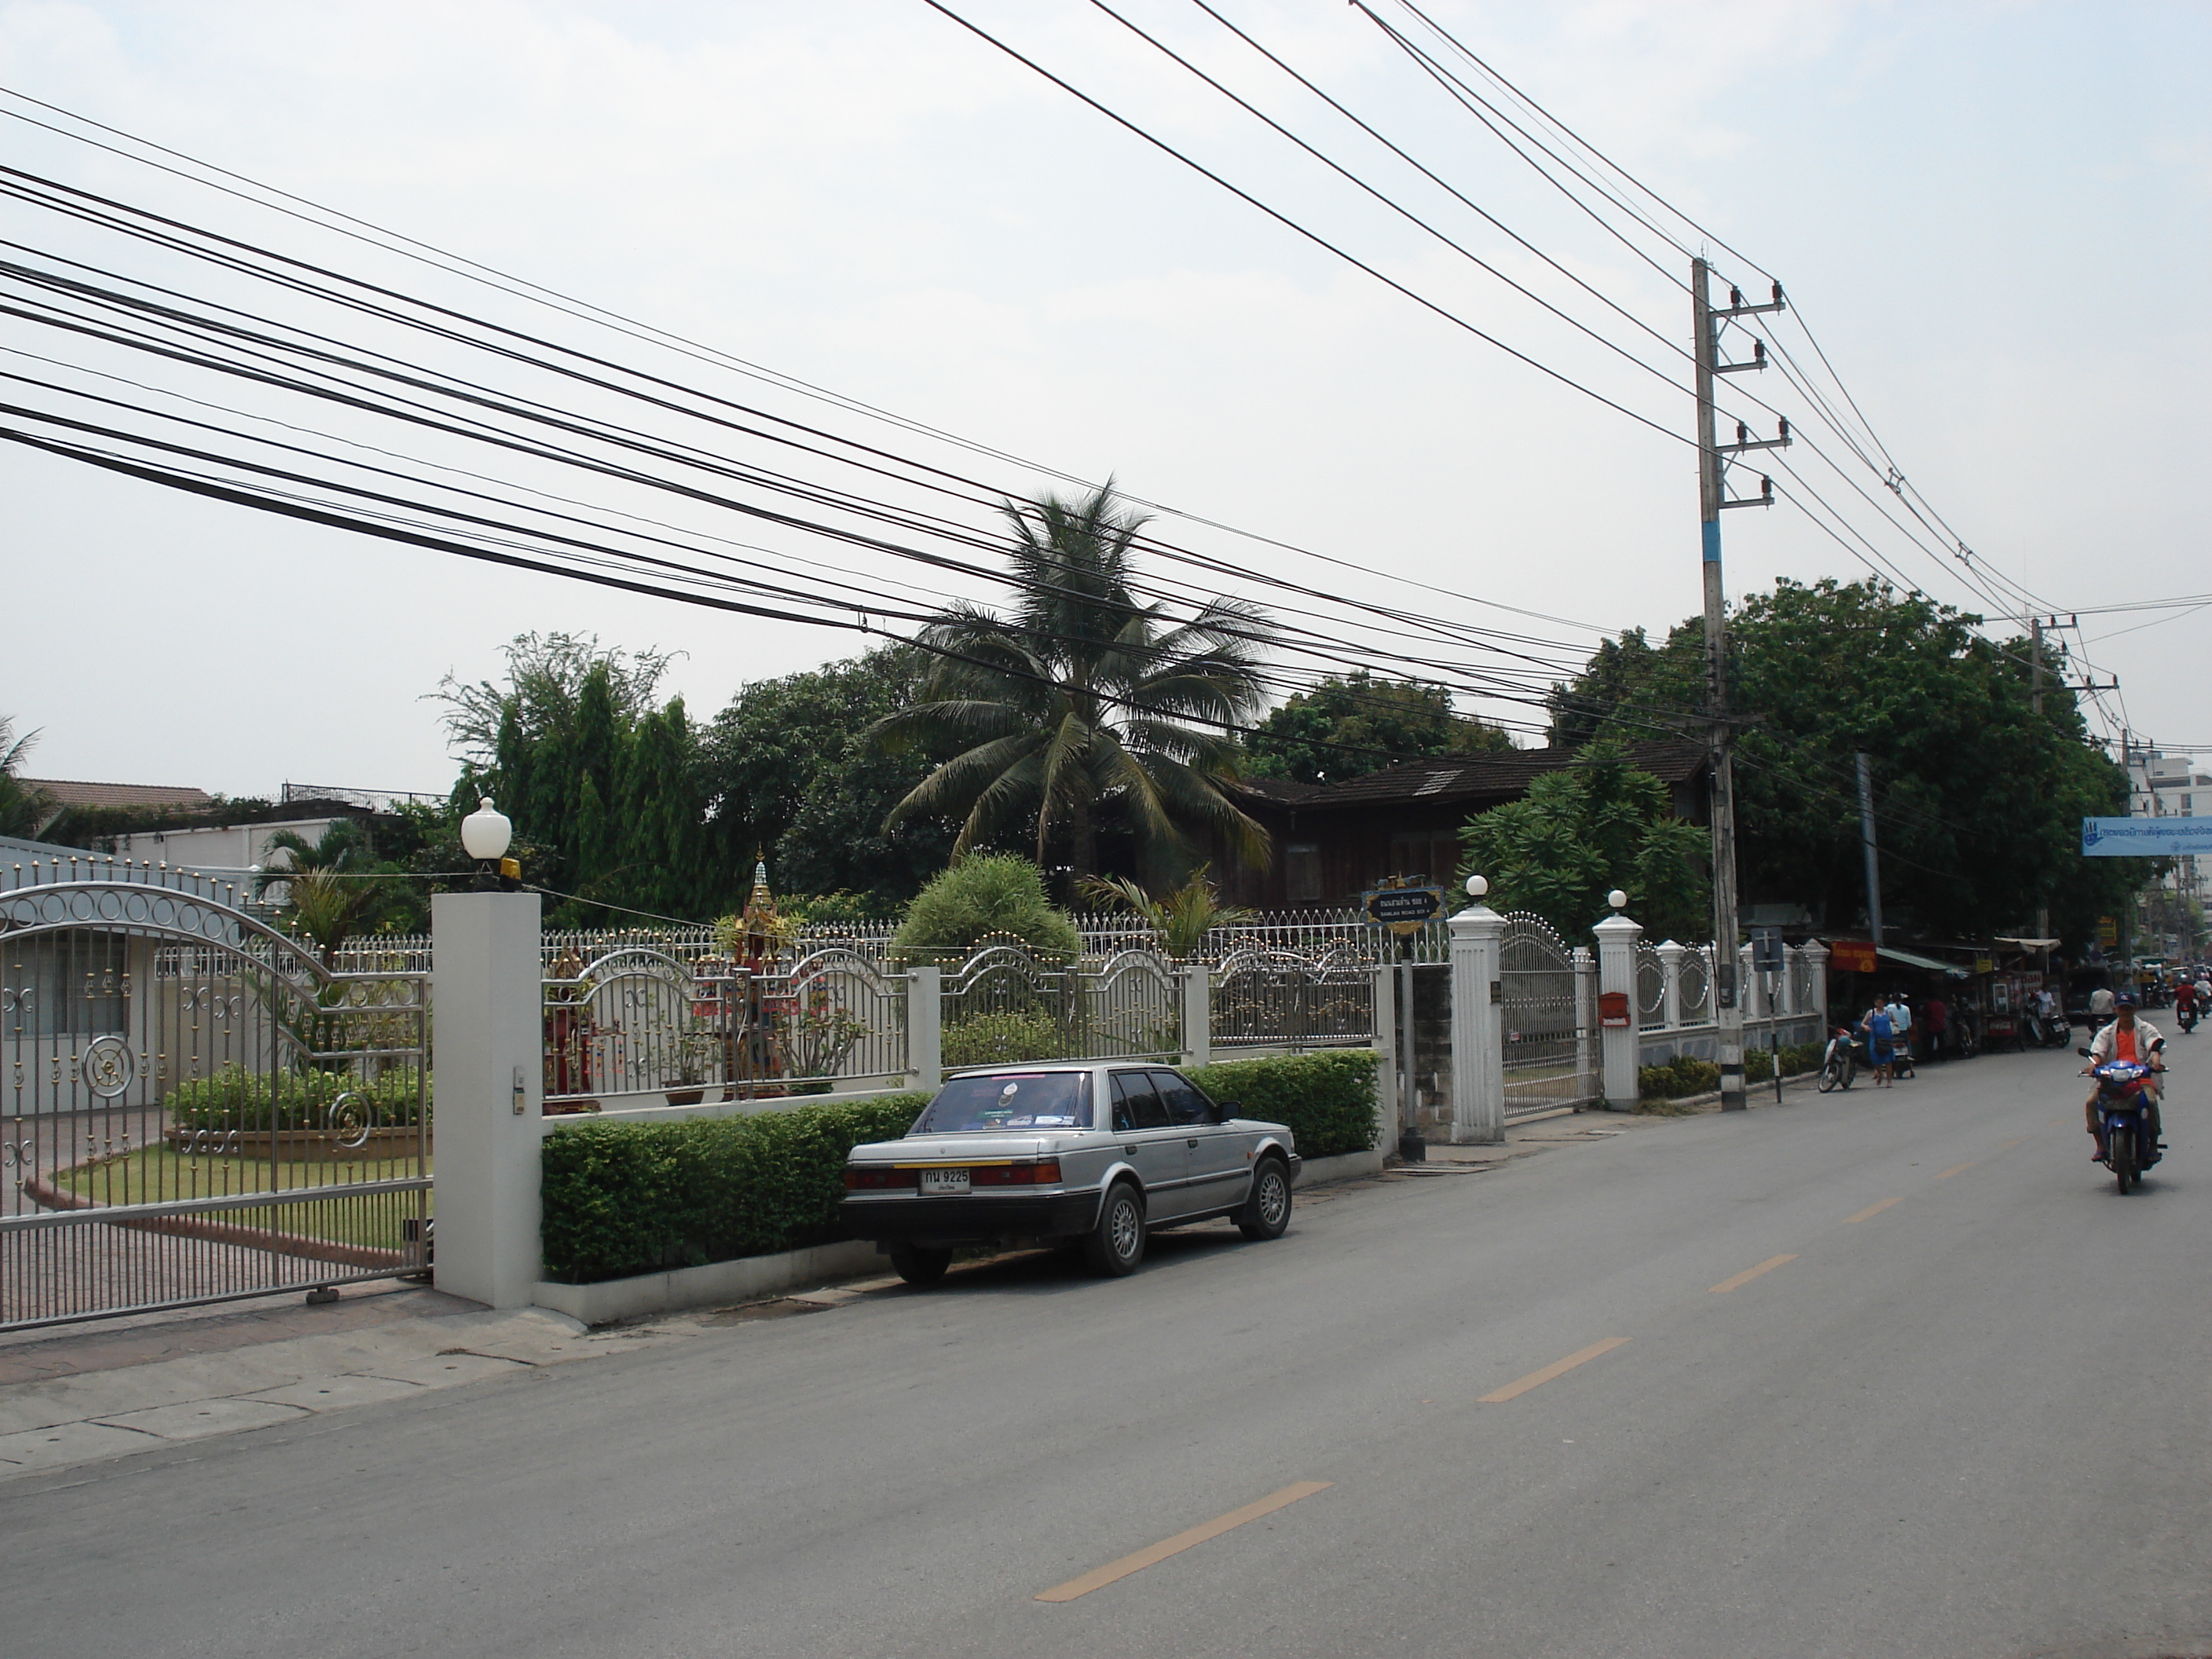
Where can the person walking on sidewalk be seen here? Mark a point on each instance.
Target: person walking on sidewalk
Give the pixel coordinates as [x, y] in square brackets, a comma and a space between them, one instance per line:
[1879, 1031]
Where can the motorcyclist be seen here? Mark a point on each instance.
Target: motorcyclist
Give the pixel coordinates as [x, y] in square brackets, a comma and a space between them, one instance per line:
[2132, 1039]
[2184, 1003]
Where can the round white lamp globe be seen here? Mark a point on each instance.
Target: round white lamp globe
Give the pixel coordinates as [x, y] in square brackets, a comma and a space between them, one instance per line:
[1477, 886]
[1617, 899]
[485, 833]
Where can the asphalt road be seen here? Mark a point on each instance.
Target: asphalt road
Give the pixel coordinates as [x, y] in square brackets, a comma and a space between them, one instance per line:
[1971, 1421]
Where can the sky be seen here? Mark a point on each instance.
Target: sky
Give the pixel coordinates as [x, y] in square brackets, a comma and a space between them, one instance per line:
[1993, 218]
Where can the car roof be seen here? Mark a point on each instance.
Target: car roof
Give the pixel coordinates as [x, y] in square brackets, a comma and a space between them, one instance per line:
[1006, 1068]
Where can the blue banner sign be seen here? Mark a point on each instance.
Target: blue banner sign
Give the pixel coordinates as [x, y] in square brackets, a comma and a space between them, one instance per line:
[2146, 838]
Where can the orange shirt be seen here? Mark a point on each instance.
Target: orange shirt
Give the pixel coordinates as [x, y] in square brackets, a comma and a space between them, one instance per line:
[2123, 1044]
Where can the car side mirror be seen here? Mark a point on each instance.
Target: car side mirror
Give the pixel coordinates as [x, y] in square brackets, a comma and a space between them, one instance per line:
[2084, 1052]
[1223, 1110]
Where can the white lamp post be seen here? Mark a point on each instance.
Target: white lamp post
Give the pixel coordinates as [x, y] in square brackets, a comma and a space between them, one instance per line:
[485, 837]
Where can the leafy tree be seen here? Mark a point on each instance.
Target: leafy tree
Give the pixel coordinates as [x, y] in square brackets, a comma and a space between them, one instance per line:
[1977, 799]
[1584, 831]
[23, 811]
[1083, 704]
[1347, 727]
[985, 896]
[793, 774]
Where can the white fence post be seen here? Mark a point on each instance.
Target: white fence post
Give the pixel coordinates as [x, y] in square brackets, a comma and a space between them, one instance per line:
[1197, 1013]
[1670, 996]
[1589, 1074]
[489, 1082]
[1387, 1109]
[1478, 1035]
[924, 1027]
[1620, 1045]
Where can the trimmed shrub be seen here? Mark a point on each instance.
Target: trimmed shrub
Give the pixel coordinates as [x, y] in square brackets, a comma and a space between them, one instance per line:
[995, 896]
[235, 1098]
[1003, 1039]
[635, 1198]
[1327, 1099]
[1683, 1075]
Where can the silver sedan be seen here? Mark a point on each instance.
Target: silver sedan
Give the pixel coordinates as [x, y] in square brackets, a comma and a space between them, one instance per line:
[1090, 1154]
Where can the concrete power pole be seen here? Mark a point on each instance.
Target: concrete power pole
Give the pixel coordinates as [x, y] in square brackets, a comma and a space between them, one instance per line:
[1866, 848]
[1712, 500]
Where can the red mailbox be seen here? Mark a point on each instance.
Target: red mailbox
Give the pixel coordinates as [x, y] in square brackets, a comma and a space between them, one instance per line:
[1613, 1010]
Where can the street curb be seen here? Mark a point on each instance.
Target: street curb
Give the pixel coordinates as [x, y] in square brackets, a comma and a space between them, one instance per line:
[714, 1285]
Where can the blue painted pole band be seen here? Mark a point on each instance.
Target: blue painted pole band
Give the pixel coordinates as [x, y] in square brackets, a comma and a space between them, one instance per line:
[1712, 541]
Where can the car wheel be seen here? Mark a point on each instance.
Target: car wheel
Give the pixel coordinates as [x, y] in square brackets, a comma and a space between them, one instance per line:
[1267, 1212]
[918, 1265]
[1116, 1244]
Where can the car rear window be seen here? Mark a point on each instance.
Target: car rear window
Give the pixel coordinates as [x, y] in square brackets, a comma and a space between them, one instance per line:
[1009, 1100]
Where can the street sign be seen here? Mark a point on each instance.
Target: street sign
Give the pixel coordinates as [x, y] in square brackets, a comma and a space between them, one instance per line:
[1613, 1010]
[1852, 956]
[1403, 908]
[2145, 838]
[2108, 931]
[1766, 950]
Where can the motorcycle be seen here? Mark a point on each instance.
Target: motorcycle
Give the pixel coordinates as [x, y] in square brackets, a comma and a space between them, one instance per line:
[1839, 1062]
[2187, 1017]
[2048, 1033]
[2124, 1117]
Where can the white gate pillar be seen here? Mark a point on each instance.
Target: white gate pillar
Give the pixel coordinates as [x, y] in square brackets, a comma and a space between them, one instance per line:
[1478, 1032]
[1670, 995]
[1619, 1047]
[1589, 1074]
[925, 1028]
[489, 1083]
[1816, 984]
[1196, 980]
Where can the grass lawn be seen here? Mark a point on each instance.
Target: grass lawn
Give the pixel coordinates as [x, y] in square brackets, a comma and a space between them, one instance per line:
[156, 1175]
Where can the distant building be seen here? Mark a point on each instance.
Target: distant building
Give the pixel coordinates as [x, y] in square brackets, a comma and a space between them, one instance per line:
[1333, 840]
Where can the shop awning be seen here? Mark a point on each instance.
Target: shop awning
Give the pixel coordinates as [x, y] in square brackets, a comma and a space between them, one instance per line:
[1910, 960]
[2029, 943]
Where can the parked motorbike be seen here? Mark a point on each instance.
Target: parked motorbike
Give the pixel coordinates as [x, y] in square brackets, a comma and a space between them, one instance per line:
[1839, 1062]
[2124, 1117]
[2048, 1033]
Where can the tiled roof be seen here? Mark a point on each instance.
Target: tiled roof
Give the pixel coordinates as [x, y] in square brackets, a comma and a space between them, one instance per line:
[1447, 779]
[67, 792]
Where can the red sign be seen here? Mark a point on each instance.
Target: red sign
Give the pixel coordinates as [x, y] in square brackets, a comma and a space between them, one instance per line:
[1852, 956]
[1613, 1010]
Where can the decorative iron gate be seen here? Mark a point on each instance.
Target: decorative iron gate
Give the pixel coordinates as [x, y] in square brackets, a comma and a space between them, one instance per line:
[1550, 1049]
[196, 1109]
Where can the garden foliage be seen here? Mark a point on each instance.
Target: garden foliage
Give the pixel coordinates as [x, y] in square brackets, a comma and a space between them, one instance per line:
[995, 897]
[235, 1098]
[1327, 1098]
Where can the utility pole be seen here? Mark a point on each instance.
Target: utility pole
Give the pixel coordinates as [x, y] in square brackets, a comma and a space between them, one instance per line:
[2035, 703]
[1866, 848]
[1711, 501]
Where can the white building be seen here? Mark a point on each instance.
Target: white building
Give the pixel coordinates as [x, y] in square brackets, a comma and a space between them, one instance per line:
[2163, 786]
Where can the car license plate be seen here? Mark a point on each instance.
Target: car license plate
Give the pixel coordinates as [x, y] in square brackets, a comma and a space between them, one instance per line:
[944, 1182]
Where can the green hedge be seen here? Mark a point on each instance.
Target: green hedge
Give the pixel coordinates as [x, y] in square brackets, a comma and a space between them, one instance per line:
[636, 1197]
[235, 1098]
[1325, 1097]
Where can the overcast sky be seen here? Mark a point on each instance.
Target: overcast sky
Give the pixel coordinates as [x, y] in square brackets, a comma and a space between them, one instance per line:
[1993, 216]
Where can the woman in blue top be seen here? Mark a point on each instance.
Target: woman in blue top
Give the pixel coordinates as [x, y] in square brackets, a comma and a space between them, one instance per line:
[1879, 1032]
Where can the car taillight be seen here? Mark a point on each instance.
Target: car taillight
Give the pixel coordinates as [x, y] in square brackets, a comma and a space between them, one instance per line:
[1045, 1172]
[861, 1178]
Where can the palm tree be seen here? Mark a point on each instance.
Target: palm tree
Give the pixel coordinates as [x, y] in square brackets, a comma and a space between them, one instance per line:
[1083, 699]
[22, 811]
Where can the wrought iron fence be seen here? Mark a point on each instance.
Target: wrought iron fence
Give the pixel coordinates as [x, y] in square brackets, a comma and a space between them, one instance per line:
[1650, 984]
[1550, 1049]
[1004, 1005]
[639, 1021]
[1695, 981]
[1264, 998]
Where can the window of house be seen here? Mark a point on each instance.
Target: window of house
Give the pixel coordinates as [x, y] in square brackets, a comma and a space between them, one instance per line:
[1302, 872]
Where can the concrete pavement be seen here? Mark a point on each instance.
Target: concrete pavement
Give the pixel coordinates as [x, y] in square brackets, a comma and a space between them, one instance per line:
[1872, 1373]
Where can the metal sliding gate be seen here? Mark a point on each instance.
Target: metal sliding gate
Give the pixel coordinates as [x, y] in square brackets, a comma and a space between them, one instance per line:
[1549, 993]
[195, 1109]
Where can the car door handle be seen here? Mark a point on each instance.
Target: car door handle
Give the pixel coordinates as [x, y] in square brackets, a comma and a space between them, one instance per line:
[1192, 1144]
